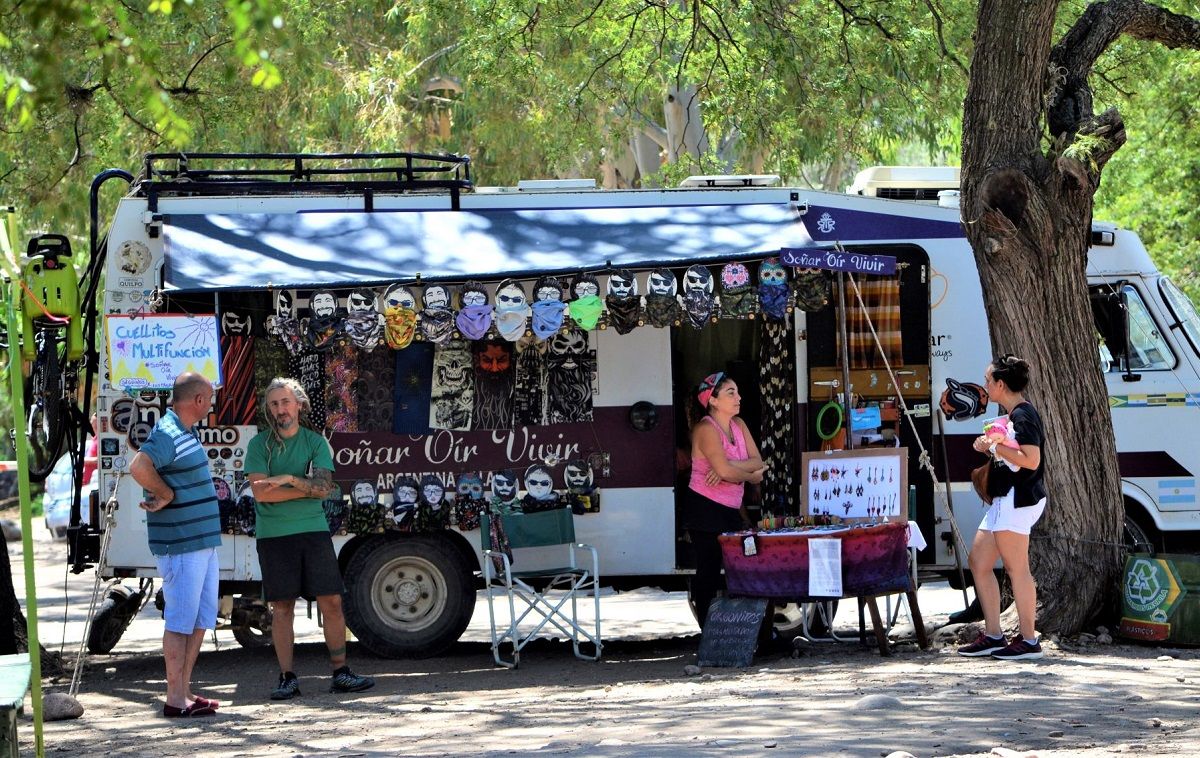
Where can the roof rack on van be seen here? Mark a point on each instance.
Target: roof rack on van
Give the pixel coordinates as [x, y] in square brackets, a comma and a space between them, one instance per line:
[168, 174]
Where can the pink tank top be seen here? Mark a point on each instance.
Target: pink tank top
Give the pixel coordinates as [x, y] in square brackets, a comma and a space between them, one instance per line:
[726, 493]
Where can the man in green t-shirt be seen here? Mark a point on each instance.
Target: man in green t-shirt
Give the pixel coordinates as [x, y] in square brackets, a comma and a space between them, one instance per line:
[290, 468]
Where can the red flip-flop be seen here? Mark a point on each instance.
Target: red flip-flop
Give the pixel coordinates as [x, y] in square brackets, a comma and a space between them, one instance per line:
[195, 709]
[204, 702]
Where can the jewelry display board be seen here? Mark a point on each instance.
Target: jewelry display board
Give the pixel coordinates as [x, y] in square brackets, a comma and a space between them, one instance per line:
[856, 485]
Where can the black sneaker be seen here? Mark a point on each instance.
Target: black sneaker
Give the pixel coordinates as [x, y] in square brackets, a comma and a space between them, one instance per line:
[1019, 650]
[983, 645]
[289, 687]
[345, 680]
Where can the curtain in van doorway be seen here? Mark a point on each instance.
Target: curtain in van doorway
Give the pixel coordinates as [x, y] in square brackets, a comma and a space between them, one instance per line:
[777, 380]
[881, 296]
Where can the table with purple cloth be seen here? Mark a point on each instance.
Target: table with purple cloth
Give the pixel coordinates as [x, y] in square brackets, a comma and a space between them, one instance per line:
[875, 561]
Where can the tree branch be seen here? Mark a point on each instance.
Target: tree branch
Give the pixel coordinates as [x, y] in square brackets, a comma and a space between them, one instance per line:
[184, 89]
[1069, 101]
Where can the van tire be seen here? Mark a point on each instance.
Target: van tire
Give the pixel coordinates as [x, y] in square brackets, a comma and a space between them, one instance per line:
[1137, 535]
[408, 597]
[112, 618]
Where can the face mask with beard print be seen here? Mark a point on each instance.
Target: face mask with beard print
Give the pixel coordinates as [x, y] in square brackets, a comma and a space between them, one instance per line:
[512, 310]
[662, 305]
[366, 515]
[475, 318]
[539, 490]
[569, 366]
[698, 300]
[504, 497]
[494, 379]
[623, 304]
[405, 494]
[581, 489]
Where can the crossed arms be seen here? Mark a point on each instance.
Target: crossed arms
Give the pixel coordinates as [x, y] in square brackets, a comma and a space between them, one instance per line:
[278, 489]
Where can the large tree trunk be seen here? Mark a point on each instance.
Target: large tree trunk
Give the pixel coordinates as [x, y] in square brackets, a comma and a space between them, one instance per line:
[14, 636]
[1028, 217]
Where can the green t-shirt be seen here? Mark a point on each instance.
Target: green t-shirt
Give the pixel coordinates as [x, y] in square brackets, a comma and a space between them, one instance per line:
[298, 455]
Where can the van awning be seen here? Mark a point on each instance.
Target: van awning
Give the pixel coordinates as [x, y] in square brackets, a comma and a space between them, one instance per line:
[239, 251]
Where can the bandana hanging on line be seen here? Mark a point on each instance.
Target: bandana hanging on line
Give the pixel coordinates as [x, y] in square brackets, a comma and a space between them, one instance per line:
[511, 323]
[401, 326]
[364, 329]
[773, 289]
[437, 324]
[323, 331]
[474, 321]
[288, 332]
[529, 389]
[494, 380]
[624, 313]
[548, 317]
[737, 297]
[699, 307]
[453, 390]
[586, 311]
[662, 310]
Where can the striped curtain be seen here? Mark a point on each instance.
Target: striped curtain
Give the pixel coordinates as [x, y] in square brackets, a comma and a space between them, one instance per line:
[881, 296]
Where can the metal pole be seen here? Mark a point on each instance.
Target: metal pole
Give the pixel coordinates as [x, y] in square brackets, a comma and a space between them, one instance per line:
[18, 401]
[846, 394]
[950, 504]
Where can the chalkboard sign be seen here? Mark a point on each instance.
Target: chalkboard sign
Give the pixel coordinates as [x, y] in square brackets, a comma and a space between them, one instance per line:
[731, 631]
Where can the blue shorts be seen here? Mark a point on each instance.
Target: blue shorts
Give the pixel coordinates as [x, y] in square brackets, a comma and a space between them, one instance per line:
[189, 590]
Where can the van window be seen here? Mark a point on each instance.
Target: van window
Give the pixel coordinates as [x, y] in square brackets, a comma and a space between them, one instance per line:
[1183, 310]
[1147, 348]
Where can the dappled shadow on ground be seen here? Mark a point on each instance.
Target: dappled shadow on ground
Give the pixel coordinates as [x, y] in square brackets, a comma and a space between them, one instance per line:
[638, 701]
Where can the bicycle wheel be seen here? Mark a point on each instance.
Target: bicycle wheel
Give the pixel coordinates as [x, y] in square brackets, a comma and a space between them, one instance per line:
[45, 408]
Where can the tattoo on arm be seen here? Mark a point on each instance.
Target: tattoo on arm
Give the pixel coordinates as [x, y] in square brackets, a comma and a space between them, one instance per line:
[320, 484]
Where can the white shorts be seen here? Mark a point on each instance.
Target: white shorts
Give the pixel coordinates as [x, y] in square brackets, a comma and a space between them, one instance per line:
[1002, 516]
[189, 590]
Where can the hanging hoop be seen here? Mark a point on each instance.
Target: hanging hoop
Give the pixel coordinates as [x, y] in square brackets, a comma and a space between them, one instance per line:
[836, 408]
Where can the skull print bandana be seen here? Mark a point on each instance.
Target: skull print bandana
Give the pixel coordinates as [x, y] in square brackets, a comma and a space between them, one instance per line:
[401, 326]
[772, 289]
[547, 317]
[474, 320]
[437, 324]
[453, 387]
[586, 311]
[698, 305]
[624, 313]
[662, 310]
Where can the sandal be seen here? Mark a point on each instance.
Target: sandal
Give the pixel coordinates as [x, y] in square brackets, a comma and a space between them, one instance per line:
[195, 709]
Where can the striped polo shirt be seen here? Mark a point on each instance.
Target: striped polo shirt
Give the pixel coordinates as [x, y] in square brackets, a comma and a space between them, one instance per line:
[192, 521]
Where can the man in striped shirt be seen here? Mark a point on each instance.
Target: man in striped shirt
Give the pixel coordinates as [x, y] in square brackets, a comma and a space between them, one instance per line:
[183, 523]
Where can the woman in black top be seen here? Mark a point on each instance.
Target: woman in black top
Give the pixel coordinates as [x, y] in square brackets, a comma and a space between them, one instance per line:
[1019, 498]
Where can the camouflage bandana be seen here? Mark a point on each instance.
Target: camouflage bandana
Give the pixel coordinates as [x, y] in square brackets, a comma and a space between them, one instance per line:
[741, 301]
[812, 290]
[624, 312]
[401, 326]
[662, 310]
[698, 305]
[437, 324]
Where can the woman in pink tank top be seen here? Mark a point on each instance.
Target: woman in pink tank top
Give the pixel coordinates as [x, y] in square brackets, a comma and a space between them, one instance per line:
[724, 458]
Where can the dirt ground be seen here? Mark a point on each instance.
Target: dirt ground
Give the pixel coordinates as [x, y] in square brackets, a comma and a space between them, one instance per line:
[1084, 699]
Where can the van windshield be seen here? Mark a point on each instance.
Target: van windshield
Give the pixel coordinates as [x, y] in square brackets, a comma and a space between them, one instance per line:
[1183, 310]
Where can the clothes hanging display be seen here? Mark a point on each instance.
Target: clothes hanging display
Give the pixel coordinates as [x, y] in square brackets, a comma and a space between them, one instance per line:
[433, 512]
[494, 379]
[335, 509]
[582, 494]
[452, 395]
[622, 301]
[400, 326]
[548, 317]
[308, 368]
[406, 495]
[777, 379]
[738, 298]
[341, 393]
[811, 288]
[283, 323]
[505, 493]
[437, 325]
[475, 318]
[363, 323]
[468, 501]
[529, 385]
[512, 310]
[375, 389]
[412, 389]
[772, 289]
[569, 365]
[365, 514]
[662, 302]
[236, 402]
[585, 306]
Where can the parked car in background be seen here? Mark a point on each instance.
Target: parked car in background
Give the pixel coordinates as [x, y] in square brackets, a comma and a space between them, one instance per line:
[56, 502]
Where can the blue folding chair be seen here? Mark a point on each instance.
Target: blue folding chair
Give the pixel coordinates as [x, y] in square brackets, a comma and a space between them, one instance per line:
[543, 593]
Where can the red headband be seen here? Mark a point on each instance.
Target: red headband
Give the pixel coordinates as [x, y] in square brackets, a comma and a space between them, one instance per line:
[707, 386]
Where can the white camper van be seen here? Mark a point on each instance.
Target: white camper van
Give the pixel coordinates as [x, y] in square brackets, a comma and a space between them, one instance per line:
[258, 240]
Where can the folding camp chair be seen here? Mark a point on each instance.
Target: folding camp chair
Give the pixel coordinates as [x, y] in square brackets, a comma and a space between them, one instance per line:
[544, 590]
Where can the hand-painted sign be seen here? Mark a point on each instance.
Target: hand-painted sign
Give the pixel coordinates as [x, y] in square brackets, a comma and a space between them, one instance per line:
[837, 260]
[148, 352]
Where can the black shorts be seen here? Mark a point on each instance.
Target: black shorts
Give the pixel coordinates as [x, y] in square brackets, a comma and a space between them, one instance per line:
[299, 565]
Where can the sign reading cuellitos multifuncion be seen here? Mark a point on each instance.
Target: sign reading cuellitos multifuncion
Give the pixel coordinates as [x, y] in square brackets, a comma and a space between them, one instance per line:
[148, 352]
